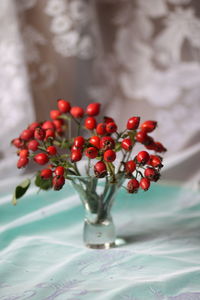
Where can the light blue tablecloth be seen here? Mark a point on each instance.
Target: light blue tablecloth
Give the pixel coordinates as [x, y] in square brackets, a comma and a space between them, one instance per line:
[42, 256]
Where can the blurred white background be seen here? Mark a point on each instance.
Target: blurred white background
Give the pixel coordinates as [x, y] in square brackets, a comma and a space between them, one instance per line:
[135, 57]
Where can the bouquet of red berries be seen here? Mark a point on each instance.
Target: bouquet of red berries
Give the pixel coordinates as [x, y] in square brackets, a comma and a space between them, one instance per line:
[107, 151]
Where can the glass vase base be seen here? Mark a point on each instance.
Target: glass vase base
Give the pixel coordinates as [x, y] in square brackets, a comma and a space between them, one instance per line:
[99, 235]
[101, 246]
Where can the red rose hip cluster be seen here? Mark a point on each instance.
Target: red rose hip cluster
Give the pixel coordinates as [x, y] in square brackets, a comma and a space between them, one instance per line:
[98, 141]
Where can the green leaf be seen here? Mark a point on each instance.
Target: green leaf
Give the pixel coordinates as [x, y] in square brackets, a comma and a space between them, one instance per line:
[132, 134]
[43, 184]
[64, 117]
[118, 146]
[20, 190]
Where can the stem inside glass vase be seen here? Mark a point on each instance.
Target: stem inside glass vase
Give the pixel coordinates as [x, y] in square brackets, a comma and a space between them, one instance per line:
[97, 196]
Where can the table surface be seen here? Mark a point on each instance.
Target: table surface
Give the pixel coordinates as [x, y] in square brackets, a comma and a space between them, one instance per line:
[42, 256]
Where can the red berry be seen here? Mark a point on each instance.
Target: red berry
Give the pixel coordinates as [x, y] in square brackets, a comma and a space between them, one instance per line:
[41, 158]
[148, 126]
[155, 161]
[46, 173]
[149, 143]
[108, 120]
[159, 147]
[141, 137]
[133, 123]
[132, 186]
[107, 142]
[111, 127]
[95, 141]
[33, 126]
[33, 145]
[18, 143]
[54, 114]
[109, 155]
[59, 171]
[26, 135]
[143, 157]
[50, 133]
[22, 162]
[100, 169]
[93, 109]
[90, 123]
[91, 152]
[101, 129]
[145, 184]
[151, 174]
[58, 182]
[58, 123]
[76, 148]
[63, 106]
[79, 141]
[130, 166]
[127, 144]
[77, 112]
[48, 125]
[39, 134]
[51, 150]
[76, 155]
[24, 153]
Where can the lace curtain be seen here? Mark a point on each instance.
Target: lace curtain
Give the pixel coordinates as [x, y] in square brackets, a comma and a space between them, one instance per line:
[136, 57]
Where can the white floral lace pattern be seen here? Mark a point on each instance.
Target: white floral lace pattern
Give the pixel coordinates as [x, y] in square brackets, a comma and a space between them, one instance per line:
[156, 54]
[69, 19]
[15, 97]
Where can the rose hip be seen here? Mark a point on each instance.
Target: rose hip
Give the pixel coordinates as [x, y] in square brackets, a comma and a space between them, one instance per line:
[22, 162]
[151, 174]
[59, 171]
[107, 142]
[41, 158]
[132, 186]
[26, 135]
[90, 123]
[101, 129]
[39, 134]
[77, 112]
[109, 155]
[145, 184]
[148, 126]
[54, 114]
[58, 182]
[100, 169]
[93, 109]
[127, 144]
[91, 152]
[46, 173]
[133, 123]
[63, 105]
[143, 157]
[130, 166]
[33, 145]
[79, 141]
[76, 155]
[95, 141]
[111, 127]
[51, 150]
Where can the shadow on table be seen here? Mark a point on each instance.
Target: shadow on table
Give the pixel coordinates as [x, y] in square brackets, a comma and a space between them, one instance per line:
[187, 232]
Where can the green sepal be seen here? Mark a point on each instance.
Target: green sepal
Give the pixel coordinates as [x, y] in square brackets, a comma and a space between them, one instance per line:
[20, 190]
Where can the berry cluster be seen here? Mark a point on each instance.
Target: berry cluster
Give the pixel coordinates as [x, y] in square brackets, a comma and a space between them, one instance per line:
[46, 143]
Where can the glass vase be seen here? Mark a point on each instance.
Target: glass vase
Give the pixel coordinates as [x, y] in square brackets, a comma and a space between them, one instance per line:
[97, 196]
